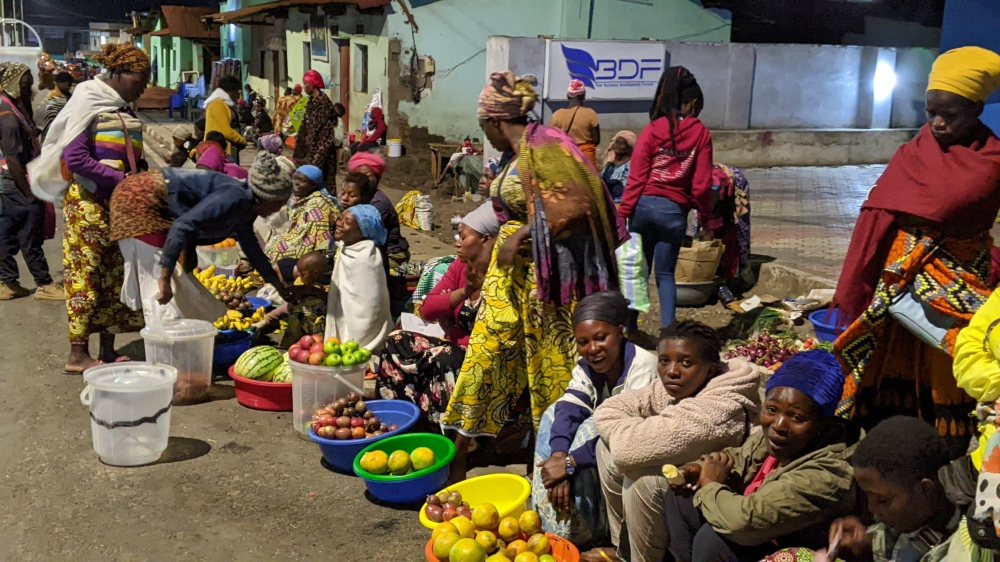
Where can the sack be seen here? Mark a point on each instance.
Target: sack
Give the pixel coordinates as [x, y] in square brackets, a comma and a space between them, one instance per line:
[699, 263]
[920, 318]
[633, 273]
[424, 212]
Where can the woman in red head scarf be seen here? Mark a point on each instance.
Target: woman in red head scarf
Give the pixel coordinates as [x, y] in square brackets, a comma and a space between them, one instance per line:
[374, 137]
[315, 142]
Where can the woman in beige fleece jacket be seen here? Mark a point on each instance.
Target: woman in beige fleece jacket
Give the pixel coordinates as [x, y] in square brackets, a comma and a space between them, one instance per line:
[700, 405]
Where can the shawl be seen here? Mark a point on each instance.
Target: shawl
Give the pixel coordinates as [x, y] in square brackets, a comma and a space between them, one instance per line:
[957, 188]
[358, 302]
[566, 197]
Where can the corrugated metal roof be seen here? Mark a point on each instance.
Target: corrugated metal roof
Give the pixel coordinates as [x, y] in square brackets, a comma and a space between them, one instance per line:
[186, 22]
[244, 14]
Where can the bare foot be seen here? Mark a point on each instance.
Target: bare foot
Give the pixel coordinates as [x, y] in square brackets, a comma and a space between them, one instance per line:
[610, 554]
[79, 361]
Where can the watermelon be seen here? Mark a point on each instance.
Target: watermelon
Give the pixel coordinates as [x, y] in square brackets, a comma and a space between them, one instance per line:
[282, 374]
[258, 362]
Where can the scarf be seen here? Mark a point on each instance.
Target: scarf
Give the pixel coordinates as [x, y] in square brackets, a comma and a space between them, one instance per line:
[219, 94]
[956, 187]
[358, 301]
[89, 99]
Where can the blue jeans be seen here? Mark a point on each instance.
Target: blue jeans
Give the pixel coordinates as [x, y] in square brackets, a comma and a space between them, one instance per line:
[662, 224]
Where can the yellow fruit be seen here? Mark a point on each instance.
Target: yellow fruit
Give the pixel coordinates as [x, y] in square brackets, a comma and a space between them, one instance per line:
[517, 548]
[399, 463]
[530, 523]
[539, 544]
[422, 458]
[486, 517]
[378, 462]
[508, 529]
[443, 543]
[526, 557]
[464, 527]
[441, 528]
[498, 557]
[487, 539]
[467, 550]
[546, 558]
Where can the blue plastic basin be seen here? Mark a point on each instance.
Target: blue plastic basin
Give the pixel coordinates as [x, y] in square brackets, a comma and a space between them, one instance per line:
[257, 302]
[825, 323]
[235, 343]
[340, 454]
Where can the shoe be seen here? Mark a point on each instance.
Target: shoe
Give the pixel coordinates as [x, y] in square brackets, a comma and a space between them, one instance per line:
[11, 291]
[50, 292]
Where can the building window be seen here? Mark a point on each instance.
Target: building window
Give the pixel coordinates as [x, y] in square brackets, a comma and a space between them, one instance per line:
[360, 68]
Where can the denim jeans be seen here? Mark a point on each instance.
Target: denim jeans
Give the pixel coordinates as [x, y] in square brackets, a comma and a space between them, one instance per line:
[661, 223]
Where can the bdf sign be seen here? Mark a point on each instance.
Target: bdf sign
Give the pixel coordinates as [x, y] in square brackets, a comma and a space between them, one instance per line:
[610, 70]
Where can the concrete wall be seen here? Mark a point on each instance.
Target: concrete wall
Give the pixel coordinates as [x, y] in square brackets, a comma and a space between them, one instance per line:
[974, 23]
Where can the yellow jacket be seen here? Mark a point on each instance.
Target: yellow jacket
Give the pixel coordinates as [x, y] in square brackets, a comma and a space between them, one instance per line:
[976, 368]
[218, 118]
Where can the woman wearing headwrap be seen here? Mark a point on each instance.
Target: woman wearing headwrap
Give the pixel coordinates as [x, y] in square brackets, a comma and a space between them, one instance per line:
[782, 487]
[315, 142]
[212, 158]
[694, 405]
[578, 121]
[733, 209]
[358, 301]
[92, 145]
[272, 143]
[158, 216]
[923, 238]
[312, 213]
[284, 106]
[616, 163]
[556, 247]
[421, 368]
[566, 489]
[372, 165]
[374, 137]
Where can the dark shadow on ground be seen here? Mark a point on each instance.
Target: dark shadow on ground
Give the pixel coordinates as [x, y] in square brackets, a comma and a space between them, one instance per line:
[183, 449]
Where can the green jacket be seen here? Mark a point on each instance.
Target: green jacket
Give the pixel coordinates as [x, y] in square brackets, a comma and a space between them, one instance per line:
[795, 504]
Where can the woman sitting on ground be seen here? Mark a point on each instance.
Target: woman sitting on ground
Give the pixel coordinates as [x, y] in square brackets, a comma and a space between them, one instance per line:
[421, 368]
[358, 301]
[782, 487]
[373, 166]
[312, 212]
[566, 489]
[212, 158]
[617, 163]
[699, 405]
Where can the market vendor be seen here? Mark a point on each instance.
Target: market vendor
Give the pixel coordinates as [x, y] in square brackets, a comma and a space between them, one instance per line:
[312, 212]
[373, 166]
[175, 210]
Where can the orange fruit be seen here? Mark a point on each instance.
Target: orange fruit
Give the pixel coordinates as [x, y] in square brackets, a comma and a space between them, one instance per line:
[530, 523]
[442, 527]
[508, 529]
[467, 550]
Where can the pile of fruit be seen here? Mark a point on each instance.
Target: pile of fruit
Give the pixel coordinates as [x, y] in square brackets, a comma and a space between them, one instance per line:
[312, 350]
[236, 320]
[770, 351]
[263, 363]
[219, 283]
[227, 243]
[484, 537]
[399, 462]
[349, 418]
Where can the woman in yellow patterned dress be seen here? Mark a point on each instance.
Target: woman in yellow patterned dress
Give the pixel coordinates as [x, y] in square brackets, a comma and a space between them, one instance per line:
[99, 142]
[556, 246]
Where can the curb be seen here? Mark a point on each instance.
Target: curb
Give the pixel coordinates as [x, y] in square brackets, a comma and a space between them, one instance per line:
[781, 280]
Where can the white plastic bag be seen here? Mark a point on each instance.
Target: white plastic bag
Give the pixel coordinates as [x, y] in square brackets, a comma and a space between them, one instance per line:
[633, 273]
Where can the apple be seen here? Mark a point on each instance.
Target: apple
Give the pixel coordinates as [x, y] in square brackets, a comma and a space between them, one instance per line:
[334, 339]
[331, 347]
[350, 345]
[317, 338]
[365, 355]
[299, 355]
[348, 359]
[334, 360]
[317, 358]
[316, 348]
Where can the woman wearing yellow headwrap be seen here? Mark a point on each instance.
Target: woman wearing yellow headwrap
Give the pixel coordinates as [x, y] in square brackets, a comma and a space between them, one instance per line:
[923, 237]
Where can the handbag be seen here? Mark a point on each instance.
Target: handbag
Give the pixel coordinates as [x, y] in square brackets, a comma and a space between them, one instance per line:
[920, 318]
[633, 273]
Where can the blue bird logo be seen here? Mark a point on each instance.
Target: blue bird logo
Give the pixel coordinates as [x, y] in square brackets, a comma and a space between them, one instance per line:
[581, 65]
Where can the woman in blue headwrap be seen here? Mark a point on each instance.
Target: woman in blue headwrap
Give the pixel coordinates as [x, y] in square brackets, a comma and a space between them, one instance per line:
[781, 488]
[312, 212]
[358, 302]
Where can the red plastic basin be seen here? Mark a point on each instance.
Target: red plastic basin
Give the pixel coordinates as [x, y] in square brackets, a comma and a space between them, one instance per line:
[260, 395]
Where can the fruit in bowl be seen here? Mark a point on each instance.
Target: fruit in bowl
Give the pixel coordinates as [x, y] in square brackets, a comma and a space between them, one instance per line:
[348, 418]
[464, 540]
[314, 350]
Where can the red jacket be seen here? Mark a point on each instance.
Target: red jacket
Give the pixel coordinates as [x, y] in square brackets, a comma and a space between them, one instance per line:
[679, 169]
[437, 304]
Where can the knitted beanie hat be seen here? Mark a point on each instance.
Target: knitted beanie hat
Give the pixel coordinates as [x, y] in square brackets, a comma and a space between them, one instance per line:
[268, 180]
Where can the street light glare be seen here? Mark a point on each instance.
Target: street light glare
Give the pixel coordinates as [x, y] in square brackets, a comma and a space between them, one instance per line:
[885, 81]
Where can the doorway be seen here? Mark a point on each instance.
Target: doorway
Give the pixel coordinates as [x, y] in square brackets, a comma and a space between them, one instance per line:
[306, 57]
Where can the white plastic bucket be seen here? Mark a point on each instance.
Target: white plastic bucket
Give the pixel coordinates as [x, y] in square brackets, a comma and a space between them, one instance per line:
[314, 387]
[129, 410]
[395, 147]
[188, 346]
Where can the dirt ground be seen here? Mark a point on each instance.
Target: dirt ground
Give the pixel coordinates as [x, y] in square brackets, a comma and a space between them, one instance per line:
[234, 483]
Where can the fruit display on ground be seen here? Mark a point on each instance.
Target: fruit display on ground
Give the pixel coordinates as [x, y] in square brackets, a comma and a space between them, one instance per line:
[263, 363]
[398, 463]
[484, 537]
[239, 320]
[312, 350]
[350, 418]
[769, 345]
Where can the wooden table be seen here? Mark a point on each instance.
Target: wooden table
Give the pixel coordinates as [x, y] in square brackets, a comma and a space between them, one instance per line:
[442, 151]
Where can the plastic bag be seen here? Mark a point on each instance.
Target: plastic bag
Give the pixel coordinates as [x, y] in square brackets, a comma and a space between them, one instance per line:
[633, 273]
[424, 212]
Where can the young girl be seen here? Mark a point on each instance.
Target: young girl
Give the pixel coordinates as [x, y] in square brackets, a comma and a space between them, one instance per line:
[306, 309]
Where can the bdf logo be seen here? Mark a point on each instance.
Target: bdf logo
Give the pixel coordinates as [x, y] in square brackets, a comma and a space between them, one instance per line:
[613, 72]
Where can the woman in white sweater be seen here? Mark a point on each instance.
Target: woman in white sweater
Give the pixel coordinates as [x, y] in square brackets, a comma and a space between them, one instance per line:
[699, 405]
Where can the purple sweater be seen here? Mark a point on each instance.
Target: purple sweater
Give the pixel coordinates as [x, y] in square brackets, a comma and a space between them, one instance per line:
[84, 153]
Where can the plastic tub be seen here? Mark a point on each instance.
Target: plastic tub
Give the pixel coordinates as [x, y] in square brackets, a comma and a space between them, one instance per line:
[314, 387]
[562, 550]
[694, 294]
[395, 147]
[224, 257]
[257, 302]
[187, 345]
[129, 410]
[824, 321]
[413, 487]
[508, 492]
[340, 454]
[262, 395]
[234, 344]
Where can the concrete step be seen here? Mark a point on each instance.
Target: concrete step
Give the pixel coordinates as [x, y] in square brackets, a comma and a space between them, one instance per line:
[807, 147]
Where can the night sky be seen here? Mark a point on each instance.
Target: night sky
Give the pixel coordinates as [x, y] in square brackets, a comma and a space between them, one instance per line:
[74, 12]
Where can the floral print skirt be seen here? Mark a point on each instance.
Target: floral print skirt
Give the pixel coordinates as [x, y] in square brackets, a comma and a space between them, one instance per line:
[420, 369]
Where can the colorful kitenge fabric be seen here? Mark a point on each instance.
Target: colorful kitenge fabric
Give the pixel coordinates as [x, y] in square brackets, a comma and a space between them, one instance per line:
[570, 213]
[518, 342]
[883, 359]
[735, 199]
[407, 210]
[283, 108]
[139, 206]
[310, 226]
[93, 271]
[434, 270]
[420, 369]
